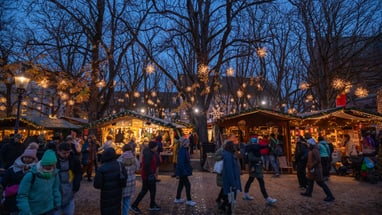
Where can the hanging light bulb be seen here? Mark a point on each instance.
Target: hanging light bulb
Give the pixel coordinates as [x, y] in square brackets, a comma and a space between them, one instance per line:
[150, 69]
[261, 52]
[361, 92]
[230, 72]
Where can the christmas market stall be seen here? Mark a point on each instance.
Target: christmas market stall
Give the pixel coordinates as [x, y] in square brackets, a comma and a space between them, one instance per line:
[36, 125]
[128, 124]
[362, 126]
[260, 122]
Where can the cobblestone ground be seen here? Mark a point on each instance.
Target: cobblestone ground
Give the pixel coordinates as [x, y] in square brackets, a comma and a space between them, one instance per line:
[352, 197]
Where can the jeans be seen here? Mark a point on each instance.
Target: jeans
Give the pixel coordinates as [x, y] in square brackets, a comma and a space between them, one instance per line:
[322, 184]
[261, 183]
[184, 182]
[301, 173]
[274, 164]
[325, 162]
[66, 210]
[126, 205]
[147, 185]
[266, 162]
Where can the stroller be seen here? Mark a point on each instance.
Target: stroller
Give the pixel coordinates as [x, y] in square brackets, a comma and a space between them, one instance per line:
[349, 165]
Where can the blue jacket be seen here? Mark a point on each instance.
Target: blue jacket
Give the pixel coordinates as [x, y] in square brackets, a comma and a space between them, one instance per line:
[231, 172]
[183, 166]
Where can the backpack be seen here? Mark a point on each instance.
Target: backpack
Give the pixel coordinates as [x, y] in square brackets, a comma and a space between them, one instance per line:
[279, 150]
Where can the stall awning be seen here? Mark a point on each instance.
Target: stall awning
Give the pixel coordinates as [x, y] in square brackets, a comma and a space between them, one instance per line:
[268, 112]
[343, 113]
[40, 122]
[132, 114]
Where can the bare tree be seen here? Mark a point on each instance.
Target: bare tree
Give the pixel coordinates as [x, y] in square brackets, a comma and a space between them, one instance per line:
[336, 34]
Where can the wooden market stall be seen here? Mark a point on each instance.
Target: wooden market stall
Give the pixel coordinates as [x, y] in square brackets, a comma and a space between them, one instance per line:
[333, 123]
[125, 125]
[260, 122]
[36, 125]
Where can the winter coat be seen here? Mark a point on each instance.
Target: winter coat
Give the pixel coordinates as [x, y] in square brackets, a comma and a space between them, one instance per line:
[183, 166]
[10, 152]
[89, 151]
[131, 164]
[301, 152]
[13, 176]
[39, 195]
[314, 167]
[231, 173]
[265, 150]
[107, 179]
[218, 156]
[149, 164]
[324, 148]
[70, 174]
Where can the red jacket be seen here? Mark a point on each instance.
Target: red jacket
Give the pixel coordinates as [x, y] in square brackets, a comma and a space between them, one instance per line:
[264, 142]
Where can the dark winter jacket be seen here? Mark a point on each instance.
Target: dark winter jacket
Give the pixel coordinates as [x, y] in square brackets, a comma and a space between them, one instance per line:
[10, 152]
[301, 153]
[107, 179]
[183, 167]
[70, 174]
[149, 163]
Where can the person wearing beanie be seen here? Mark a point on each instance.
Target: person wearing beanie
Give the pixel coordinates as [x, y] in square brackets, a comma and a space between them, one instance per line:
[314, 171]
[14, 175]
[70, 172]
[110, 178]
[39, 191]
[148, 169]
[183, 170]
[255, 165]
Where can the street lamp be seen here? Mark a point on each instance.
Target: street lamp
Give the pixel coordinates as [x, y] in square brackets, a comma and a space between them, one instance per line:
[21, 86]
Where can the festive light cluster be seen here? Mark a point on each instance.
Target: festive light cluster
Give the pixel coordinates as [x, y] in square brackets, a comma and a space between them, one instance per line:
[361, 92]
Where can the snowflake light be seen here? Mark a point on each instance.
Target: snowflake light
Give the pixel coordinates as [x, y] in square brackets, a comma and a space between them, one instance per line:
[361, 92]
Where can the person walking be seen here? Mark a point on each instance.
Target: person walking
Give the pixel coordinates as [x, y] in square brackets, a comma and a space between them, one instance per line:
[110, 178]
[301, 158]
[256, 171]
[39, 190]
[148, 170]
[89, 153]
[324, 154]
[231, 177]
[13, 176]
[70, 174]
[183, 170]
[314, 173]
[273, 142]
[131, 164]
[218, 156]
[264, 151]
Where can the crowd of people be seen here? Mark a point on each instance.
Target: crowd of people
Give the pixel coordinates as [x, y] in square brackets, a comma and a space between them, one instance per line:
[33, 168]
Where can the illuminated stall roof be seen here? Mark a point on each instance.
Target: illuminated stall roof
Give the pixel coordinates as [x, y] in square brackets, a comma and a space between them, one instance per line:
[344, 113]
[128, 114]
[38, 122]
[259, 112]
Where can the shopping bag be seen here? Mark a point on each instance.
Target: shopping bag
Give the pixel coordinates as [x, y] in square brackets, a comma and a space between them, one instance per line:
[218, 166]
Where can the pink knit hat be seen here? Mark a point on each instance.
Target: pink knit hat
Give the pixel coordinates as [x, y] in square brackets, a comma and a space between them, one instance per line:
[30, 153]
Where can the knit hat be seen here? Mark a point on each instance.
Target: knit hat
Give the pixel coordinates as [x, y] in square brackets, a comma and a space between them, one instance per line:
[152, 144]
[49, 158]
[30, 153]
[253, 140]
[33, 145]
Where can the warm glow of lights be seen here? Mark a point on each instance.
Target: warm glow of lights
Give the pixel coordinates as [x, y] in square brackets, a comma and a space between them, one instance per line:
[126, 95]
[338, 84]
[150, 69]
[283, 105]
[261, 52]
[142, 110]
[291, 111]
[35, 99]
[232, 100]
[259, 87]
[309, 97]
[244, 85]
[240, 93]
[121, 100]
[38, 108]
[137, 94]
[248, 96]
[361, 92]
[153, 94]
[263, 102]
[304, 86]
[188, 89]
[71, 102]
[64, 96]
[203, 69]
[24, 103]
[21, 82]
[2, 108]
[44, 83]
[3, 99]
[101, 84]
[230, 72]
[150, 102]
